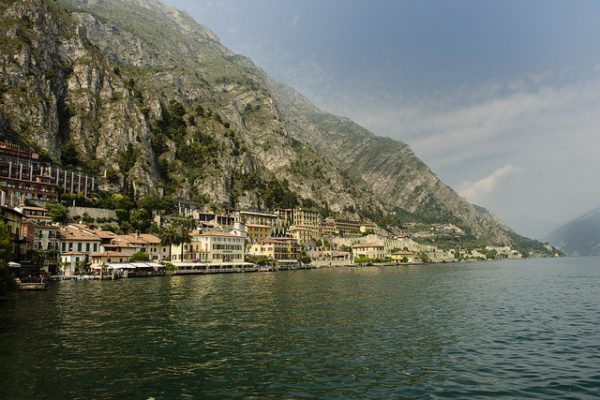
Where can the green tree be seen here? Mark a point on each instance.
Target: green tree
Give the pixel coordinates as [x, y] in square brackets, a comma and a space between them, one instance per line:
[6, 248]
[175, 234]
[184, 237]
[69, 155]
[140, 256]
[121, 201]
[423, 257]
[169, 236]
[259, 260]
[57, 212]
[139, 219]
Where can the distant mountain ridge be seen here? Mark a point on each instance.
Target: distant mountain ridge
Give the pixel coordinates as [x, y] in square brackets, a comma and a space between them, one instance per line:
[580, 237]
[536, 228]
[144, 93]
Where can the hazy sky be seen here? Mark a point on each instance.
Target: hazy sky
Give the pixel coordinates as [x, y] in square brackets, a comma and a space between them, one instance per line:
[501, 99]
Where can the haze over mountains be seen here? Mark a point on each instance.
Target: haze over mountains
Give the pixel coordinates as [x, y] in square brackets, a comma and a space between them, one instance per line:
[143, 93]
[536, 228]
[580, 237]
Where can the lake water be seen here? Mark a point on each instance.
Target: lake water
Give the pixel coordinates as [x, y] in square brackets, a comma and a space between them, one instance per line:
[514, 329]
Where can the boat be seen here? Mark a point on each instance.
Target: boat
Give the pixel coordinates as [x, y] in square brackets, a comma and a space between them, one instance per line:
[29, 282]
[41, 285]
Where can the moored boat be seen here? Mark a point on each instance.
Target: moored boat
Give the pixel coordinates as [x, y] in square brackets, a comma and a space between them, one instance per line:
[32, 285]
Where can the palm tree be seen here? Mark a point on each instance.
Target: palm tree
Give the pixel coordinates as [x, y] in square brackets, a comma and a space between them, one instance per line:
[169, 235]
[183, 236]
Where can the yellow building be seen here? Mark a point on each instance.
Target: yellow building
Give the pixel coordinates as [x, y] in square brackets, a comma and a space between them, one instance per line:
[107, 257]
[304, 234]
[369, 250]
[13, 220]
[258, 232]
[258, 218]
[210, 247]
[278, 249]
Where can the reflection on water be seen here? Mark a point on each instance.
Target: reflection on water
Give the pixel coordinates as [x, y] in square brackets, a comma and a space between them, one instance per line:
[508, 330]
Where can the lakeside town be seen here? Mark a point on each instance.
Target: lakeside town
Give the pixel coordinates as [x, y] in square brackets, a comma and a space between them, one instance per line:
[70, 242]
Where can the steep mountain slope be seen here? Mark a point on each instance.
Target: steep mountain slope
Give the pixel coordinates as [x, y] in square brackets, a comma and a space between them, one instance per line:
[580, 237]
[141, 93]
[388, 167]
[144, 93]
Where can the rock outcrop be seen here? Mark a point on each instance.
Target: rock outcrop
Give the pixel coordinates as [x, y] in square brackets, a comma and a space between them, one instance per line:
[140, 93]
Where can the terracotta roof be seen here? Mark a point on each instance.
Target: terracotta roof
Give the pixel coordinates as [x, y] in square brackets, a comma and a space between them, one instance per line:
[31, 208]
[149, 238]
[219, 234]
[10, 210]
[104, 234]
[108, 254]
[72, 234]
[130, 239]
[72, 253]
[80, 226]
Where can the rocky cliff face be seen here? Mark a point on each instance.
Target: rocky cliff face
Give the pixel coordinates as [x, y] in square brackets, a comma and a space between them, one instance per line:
[152, 99]
[389, 168]
[139, 92]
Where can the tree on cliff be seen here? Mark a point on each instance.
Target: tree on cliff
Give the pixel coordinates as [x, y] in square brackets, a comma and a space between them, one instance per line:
[6, 248]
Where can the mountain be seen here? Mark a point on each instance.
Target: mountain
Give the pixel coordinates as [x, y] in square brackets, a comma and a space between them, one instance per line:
[580, 237]
[140, 93]
[536, 228]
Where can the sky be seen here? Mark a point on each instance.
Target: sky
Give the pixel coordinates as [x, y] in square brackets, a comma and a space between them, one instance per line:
[500, 98]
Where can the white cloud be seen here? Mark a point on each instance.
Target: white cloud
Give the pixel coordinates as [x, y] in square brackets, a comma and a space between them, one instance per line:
[480, 190]
[295, 21]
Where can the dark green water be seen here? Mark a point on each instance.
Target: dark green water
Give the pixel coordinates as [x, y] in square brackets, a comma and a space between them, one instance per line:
[518, 329]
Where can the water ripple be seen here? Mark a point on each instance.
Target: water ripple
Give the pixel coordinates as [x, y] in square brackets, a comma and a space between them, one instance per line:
[505, 330]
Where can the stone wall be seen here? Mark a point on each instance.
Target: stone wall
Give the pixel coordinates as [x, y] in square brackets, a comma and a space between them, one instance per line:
[96, 213]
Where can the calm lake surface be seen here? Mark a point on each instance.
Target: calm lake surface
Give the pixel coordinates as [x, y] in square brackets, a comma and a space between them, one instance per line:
[514, 329]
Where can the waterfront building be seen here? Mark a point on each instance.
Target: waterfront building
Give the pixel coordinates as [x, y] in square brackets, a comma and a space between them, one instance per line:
[13, 224]
[76, 245]
[304, 234]
[153, 246]
[106, 237]
[210, 247]
[330, 257]
[328, 228]
[99, 259]
[369, 250]
[258, 232]
[258, 218]
[284, 251]
[24, 176]
[347, 227]
[400, 256]
[46, 237]
[35, 214]
[127, 245]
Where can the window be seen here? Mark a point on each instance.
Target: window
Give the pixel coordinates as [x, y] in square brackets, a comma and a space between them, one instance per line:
[78, 247]
[87, 247]
[95, 247]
